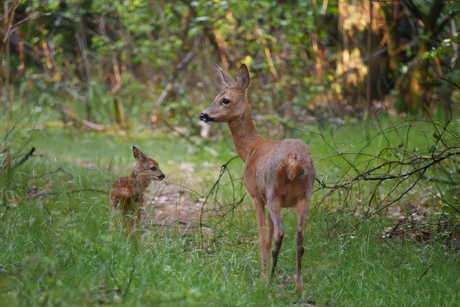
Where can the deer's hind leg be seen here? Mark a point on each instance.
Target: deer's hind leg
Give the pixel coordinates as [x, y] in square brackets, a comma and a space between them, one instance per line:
[268, 244]
[302, 211]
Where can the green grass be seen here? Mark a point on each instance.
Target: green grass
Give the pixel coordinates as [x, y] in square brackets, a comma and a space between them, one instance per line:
[58, 251]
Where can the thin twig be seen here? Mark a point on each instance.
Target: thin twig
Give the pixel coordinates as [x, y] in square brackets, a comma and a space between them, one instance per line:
[424, 273]
[222, 171]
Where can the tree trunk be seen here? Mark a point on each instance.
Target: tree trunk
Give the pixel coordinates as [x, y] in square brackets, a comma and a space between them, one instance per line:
[353, 26]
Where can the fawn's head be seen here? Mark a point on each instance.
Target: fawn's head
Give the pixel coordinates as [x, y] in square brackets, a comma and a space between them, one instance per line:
[231, 103]
[146, 168]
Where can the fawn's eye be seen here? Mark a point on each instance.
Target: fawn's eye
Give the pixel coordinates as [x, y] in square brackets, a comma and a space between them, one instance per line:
[153, 168]
[225, 101]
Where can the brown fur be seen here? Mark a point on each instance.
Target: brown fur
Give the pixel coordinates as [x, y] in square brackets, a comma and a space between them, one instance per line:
[278, 174]
[127, 193]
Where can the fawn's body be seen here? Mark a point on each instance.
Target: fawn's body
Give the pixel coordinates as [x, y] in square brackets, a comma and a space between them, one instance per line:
[127, 193]
[277, 174]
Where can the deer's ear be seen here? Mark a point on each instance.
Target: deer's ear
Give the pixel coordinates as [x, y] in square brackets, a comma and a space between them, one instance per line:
[242, 77]
[138, 155]
[225, 78]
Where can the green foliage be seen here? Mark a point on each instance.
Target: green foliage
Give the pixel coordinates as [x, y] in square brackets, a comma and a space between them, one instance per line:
[73, 49]
[454, 7]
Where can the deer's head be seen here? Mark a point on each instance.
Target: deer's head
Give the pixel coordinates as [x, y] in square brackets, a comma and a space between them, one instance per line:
[231, 103]
[146, 168]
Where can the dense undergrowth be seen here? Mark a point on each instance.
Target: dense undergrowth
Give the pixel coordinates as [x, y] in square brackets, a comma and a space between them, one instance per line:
[56, 249]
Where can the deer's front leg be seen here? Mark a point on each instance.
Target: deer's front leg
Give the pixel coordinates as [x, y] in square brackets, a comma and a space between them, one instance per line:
[117, 214]
[114, 220]
[135, 218]
[274, 206]
[260, 216]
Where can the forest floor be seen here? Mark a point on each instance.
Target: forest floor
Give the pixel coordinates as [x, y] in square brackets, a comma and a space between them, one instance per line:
[56, 247]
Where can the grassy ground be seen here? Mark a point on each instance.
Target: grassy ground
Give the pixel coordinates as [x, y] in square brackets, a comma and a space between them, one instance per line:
[59, 251]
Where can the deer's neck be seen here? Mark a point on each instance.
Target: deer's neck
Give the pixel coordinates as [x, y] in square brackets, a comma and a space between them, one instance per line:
[142, 180]
[245, 135]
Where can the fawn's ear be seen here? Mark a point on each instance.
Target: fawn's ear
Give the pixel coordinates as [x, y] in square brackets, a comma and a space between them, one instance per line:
[225, 78]
[138, 155]
[242, 77]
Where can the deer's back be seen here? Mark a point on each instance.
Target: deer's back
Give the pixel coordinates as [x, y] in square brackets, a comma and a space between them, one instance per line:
[281, 169]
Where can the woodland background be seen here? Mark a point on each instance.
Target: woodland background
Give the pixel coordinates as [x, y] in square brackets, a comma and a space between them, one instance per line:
[123, 63]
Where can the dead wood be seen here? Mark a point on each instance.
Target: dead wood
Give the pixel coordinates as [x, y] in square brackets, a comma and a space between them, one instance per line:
[64, 112]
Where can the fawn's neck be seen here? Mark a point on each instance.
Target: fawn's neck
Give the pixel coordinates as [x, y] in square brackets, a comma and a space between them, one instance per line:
[144, 181]
[245, 135]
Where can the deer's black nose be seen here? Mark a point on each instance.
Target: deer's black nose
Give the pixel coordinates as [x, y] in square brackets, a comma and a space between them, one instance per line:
[161, 177]
[206, 118]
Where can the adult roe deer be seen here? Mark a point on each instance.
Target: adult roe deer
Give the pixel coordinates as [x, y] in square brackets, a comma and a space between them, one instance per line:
[278, 174]
[127, 193]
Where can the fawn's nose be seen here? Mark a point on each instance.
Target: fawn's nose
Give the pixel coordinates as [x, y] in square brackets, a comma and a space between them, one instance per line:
[161, 177]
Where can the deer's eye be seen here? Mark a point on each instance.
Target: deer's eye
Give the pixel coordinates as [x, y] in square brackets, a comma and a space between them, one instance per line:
[153, 168]
[225, 101]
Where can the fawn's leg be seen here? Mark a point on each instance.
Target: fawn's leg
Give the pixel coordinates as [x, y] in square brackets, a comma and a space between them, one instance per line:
[274, 207]
[114, 211]
[113, 219]
[133, 224]
[135, 218]
[302, 211]
[138, 224]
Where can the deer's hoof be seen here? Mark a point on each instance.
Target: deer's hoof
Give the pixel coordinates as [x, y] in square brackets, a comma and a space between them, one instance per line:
[263, 278]
[298, 284]
[299, 287]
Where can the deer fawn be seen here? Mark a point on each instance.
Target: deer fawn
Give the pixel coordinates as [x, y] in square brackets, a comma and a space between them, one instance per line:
[279, 174]
[126, 193]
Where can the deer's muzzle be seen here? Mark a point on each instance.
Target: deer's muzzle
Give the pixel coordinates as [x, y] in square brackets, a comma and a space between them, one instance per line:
[206, 118]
